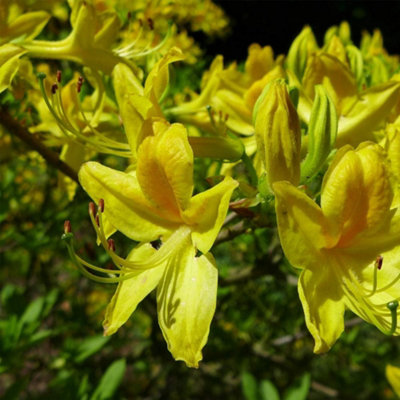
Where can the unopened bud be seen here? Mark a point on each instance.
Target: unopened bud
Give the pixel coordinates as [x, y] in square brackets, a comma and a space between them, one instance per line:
[277, 131]
[322, 131]
[301, 48]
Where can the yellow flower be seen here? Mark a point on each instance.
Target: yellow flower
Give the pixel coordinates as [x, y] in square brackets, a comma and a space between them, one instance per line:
[340, 245]
[393, 376]
[153, 203]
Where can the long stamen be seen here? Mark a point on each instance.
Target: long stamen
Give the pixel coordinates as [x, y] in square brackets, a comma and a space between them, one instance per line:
[377, 267]
[392, 306]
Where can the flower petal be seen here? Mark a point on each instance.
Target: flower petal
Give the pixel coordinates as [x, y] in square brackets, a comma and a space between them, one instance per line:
[125, 206]
[186, 301]
[393, 376]
[303, 229]
[165, 170]
[132, 291]
[323, 305]
[207, 211]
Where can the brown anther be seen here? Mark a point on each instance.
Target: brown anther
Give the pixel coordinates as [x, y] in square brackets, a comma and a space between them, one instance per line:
[379, 262]
[101, 205]
[58, 76]
[129, 15]
[97, 220]
[54, 88]
[92, 208]
[220, 114]
[151, 23]
[67, 226]
[140, 21]
[226, 117]
[79, 84]
[111, 245]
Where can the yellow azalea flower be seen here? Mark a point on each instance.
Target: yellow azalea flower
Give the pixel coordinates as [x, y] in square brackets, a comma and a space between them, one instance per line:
[156, 202]
[358, 113]
[340, 245]
[393, 376]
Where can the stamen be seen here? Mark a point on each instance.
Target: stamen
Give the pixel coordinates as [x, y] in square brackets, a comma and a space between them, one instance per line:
[101, 205]
[92, 208]
[377, 266]
[392, 306]
[79, 84]
[59, 76]
[111, 244]
[67, 226]
[151, 23]
[54, 88]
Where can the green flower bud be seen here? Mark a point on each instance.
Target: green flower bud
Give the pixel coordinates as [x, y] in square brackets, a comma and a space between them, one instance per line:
[322, 132]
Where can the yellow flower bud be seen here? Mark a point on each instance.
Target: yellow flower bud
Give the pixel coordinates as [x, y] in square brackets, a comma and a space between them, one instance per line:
[277, 131]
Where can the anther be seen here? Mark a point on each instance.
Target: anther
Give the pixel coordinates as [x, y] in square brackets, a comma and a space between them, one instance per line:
[226, 117]
[129, 15]
[379, 262]
[58, 76]
[140, 21]
[151, 23]
[111, 245]
[97, 220]
[101, 205]
[54, 88]
[67, 226]
[92, 208]
[79, 84]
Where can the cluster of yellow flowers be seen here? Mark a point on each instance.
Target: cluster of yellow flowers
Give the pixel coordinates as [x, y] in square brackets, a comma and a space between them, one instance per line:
[315, 134]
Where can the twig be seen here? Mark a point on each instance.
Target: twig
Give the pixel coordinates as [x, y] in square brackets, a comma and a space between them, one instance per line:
[50, 156]
[231, 232]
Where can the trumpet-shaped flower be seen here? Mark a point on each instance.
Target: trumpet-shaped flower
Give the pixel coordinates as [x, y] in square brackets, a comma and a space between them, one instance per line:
[153, 203]
[348, 247]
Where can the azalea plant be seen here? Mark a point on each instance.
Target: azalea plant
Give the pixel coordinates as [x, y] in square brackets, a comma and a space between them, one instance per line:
[190, 172]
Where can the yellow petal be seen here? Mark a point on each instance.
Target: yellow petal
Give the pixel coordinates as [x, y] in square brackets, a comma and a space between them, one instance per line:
[372, 107]
[327, 70]
[132, 291]
[165, 170]
[323, 306]
[9, 64]
[27, 26]
[303, 229]
[125, 206]
[259, 61]
[207, 211]
[393, 376]
[186, 301]
[158, 79]
[356, 193]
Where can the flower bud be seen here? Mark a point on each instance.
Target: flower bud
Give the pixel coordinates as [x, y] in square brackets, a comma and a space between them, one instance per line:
[322, 132]
[301, 48]
[278, 136]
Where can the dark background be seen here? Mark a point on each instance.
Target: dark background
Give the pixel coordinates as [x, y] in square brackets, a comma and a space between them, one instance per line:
[277, 23]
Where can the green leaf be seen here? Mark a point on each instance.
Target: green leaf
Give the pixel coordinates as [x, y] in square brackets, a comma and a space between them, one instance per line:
[32, 312]
[90, 346]
[268, 390]
[110, 381]
[249, 386]
[300, 392]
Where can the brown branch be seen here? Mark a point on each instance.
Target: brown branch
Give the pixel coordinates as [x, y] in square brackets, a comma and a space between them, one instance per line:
[15, 128]
[231, 232]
